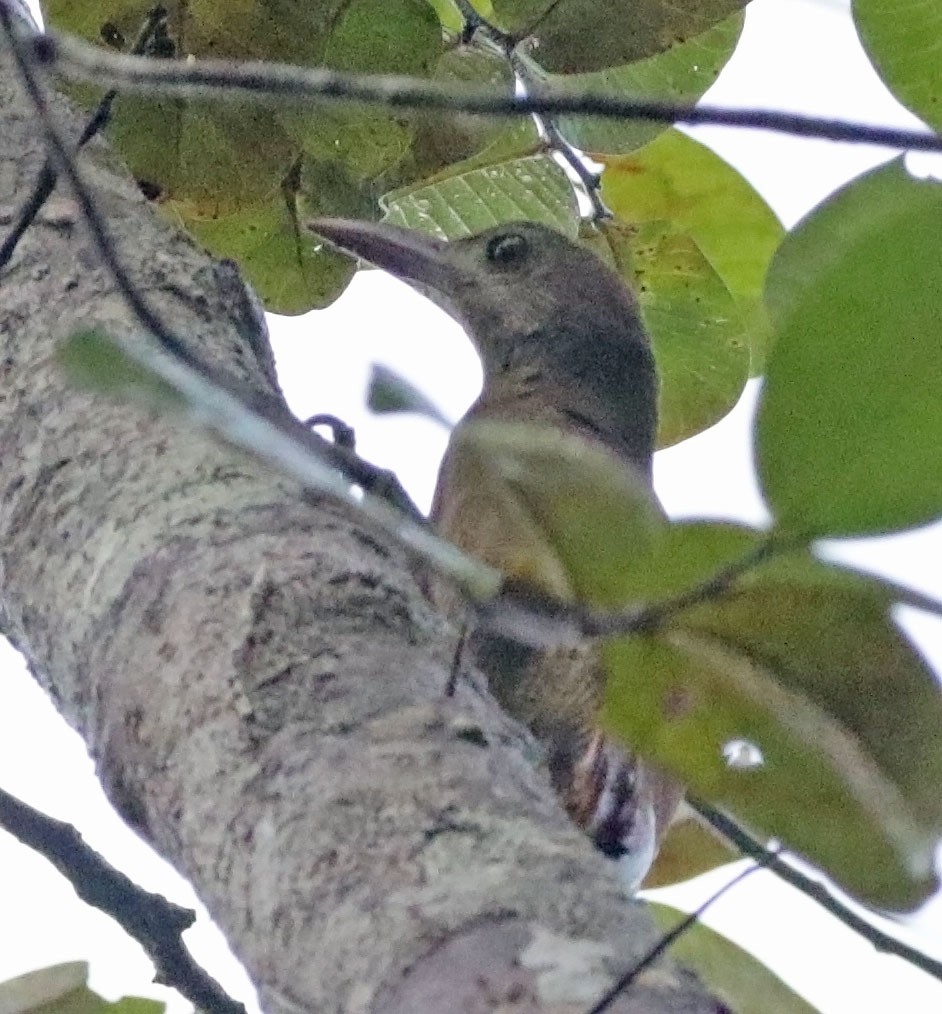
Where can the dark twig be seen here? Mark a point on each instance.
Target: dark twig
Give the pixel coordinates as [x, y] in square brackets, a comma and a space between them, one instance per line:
[342, 434]
[474, 21]
[376, 480]
[813, 889]
[589, 179]
[274, 82]
[60, 155]
[544, 622]
[665, 943]
[46, 181]
[555, 142]
[154, 922]
[648, 618]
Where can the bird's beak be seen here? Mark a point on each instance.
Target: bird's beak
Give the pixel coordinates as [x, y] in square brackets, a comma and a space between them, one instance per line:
[418, 259]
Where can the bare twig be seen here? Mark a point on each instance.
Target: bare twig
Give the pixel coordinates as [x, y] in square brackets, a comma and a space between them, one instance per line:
[342, 434]
[46, 182]
[475, 21]
[813, 889]
[648, 618]
[283, 82]
[154, 922]
[558, 144]
[666, 941]
[544, 622]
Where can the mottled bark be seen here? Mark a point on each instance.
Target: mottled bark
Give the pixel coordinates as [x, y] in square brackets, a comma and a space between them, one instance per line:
[257, 675]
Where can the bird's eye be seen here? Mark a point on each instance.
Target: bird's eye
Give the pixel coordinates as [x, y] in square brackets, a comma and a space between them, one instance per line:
[507, 249]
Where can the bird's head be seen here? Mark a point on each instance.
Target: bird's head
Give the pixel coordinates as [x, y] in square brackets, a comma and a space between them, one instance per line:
[533, 302]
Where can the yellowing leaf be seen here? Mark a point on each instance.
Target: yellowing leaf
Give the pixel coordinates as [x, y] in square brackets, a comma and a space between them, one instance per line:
[696, 328]
[678, 180]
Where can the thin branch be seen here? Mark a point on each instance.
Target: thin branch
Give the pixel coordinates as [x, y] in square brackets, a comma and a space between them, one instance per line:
[648, 618]
[666, 941]
[813, 889]
[541, 621]
[589, 179]
[46, 182]
[342, 434]
[154, 922]
[474, 21]
[558, 144]
[282, 82]
[150, 375]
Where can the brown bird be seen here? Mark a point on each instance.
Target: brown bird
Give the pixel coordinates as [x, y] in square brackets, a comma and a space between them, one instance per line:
[562, 344]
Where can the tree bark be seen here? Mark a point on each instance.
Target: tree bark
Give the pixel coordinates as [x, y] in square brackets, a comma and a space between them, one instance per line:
[258, 677]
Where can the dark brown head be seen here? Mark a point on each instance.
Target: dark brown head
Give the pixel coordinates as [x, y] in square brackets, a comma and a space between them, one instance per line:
[534, 303]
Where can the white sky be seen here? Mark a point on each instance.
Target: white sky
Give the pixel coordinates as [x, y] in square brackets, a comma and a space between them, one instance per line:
[796, 54]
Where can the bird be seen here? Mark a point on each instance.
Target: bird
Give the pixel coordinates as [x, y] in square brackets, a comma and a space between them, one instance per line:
[562, 344]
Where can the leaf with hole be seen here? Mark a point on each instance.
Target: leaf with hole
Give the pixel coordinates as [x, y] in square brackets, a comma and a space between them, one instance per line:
[803, 660]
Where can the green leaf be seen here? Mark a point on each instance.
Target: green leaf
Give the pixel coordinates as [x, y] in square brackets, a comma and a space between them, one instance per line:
[62, 989]
[803, 660]
[696, 328]
[570, 36]
[390, 392]
[291, 271]
[569, 513]
[218, 167]
[428, 164]
[735, 977]
[675, 179]
[686, 555]
[850, 423]
[443, 139]
[533, 188]
[680, 74]
[902, 43]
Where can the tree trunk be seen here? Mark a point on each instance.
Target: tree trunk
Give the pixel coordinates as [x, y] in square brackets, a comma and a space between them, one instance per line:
[258, 676]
